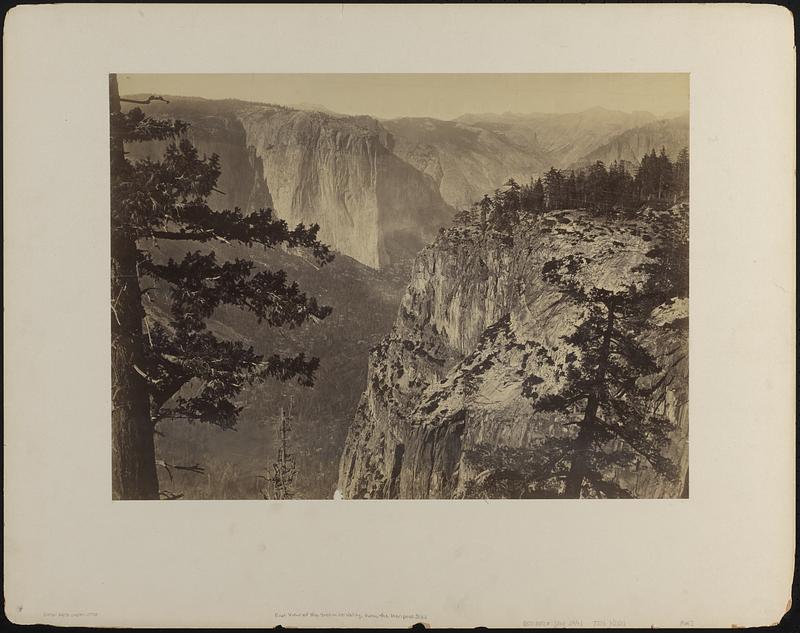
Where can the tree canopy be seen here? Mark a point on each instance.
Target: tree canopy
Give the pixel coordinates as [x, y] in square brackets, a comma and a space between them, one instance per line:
[620, 186]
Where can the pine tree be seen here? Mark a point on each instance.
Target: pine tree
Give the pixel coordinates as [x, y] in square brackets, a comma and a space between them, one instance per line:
[553, 187]
[681, 169]
[616, 185]
[486, 208]
[647, 175]
[464, 217]
[570, 191]
[166, 200]
[506, 206]
[665, 175]
[597, 183]
[538, 195]
[602, 394]
[655, 176]
[581, 194]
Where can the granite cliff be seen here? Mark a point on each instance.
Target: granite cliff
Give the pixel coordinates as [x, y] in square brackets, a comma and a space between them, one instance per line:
[341, 173]
[447, 386]
[316, 167]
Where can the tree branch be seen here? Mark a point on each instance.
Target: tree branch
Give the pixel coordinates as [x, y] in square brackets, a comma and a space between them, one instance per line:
[149, 99]
[196, 468]
[173, 235]
[167, 391]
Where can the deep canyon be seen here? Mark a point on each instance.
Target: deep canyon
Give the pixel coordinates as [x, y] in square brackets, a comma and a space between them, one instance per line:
[425, 355]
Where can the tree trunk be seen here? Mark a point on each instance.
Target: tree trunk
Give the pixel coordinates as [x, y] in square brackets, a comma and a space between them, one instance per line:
[133, 467]
[577, 469]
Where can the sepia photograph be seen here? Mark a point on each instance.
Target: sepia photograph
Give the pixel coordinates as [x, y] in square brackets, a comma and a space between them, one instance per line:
[403, 306]
[399, 286]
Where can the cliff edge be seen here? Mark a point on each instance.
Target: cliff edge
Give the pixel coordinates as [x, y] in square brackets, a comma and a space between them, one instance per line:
[449, 389]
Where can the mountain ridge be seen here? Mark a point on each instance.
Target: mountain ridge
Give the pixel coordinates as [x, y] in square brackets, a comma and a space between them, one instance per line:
[672, 134]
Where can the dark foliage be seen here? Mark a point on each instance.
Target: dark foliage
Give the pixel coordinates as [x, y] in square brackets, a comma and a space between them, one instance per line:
[618, 187]
[603, 396]
[189, 371]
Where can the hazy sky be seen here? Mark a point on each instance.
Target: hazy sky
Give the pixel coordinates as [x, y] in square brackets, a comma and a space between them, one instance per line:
[443, 96]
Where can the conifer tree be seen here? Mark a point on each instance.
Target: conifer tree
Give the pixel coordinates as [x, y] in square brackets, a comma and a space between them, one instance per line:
[485, 207]
[166, 199]
[681, 170]
[665, 182]
[506, 206]
[538, 195]
[602, 395]
[570, 190]
[553, 187]
[655, 175]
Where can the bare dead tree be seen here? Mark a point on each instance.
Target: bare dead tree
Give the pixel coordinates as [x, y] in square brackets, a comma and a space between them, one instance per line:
[284, 469]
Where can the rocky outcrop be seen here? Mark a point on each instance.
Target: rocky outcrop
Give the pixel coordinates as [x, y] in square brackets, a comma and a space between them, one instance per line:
[449, 384]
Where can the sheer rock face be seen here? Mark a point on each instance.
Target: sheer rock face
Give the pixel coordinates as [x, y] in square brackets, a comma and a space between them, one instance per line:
[340, 172]
[312, 167]
[448, 380]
